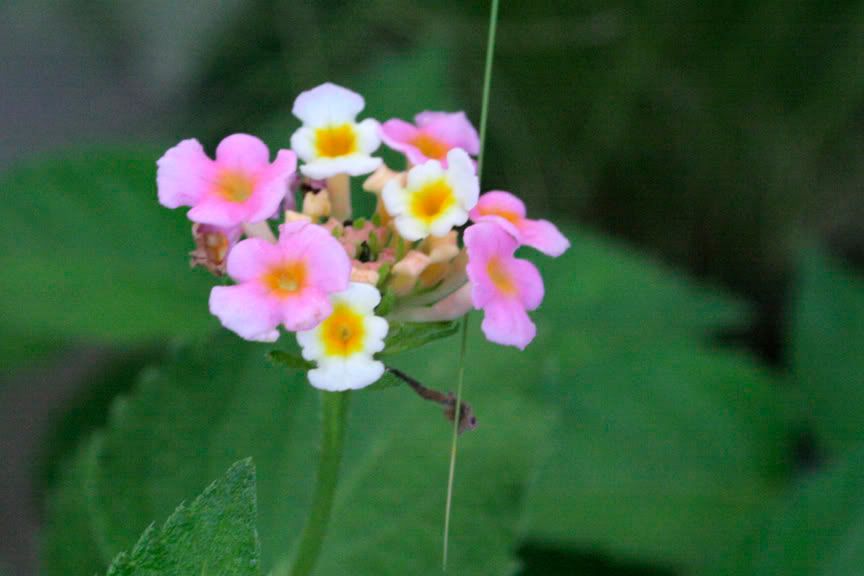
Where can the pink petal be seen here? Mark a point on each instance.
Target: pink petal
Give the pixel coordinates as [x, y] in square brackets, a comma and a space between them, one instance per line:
[305, 310]
[453, 128]
[498, 203]
[184, 174]
[328, 264]
[398, 134]
[251, 258]
[506, 322]
[486, 239]
[243, 152]
[213, 210]
[246, 310]
[272, 186]
[529, 282]
[544, 236]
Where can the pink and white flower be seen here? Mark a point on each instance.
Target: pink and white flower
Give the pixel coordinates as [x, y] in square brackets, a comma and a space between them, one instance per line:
[503, 286]
[433, 199]
[343, 345]
[287, 283]
[240, 186]
[508, 211]
[433, 136]
[331, 141]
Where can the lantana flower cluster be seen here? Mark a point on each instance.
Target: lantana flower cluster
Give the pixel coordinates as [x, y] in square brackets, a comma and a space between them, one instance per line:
[299, 260]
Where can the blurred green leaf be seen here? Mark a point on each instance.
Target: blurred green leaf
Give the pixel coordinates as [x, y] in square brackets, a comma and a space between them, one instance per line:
[404, 336]
[215, 534]
[828, 349]
[816, 530]
[89, 253]
[663, 454]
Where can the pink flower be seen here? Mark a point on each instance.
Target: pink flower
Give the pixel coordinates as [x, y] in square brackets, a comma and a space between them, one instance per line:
[240, 186]
[286, 283]
[435, 134]
[508, 211]
[505, 287]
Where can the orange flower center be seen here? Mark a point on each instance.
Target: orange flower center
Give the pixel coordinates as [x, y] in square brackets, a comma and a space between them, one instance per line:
[335, 141]
[235, 186]
[430, 147]
[343, 332]
[432, 200]
[286, 279]
[500, 276]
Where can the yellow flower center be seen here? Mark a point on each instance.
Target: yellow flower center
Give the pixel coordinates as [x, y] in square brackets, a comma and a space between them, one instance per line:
[343, 332]
[430, 147]
[335, 141]
[500, 277]
[286, 279]
[235, 186]
[432, 200]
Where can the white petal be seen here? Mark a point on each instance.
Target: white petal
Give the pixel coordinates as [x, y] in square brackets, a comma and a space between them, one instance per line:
[327, 104]
[303, 144]
[363, 297]
[355, 165]
[395, 198]
[463, 178]
[368, 135]
[423, 173]
[352, 373]
[310, 344]
[453, 217]
[376, 331]
[411, 228]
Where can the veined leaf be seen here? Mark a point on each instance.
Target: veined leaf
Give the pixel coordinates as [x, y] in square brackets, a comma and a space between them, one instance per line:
[215, 534]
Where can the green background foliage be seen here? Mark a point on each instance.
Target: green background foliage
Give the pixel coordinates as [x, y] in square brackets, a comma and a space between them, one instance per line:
[690, 404]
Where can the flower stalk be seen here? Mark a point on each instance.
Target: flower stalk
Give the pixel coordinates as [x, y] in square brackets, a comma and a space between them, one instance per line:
[334, 415]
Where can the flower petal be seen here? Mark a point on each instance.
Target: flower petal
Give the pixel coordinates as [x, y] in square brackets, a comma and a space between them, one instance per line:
[243, 152]
[305, 310]
[351, 373]
[245, 310]
[529, 281]
[354, 165]
[506, 322]
[250, 258]
[184, 174]
[398, 134]
[499, 203]
[544, 236]
[327, 104]
[453, 128]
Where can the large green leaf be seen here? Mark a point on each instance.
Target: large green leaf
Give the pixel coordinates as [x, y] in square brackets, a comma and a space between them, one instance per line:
[215, 534]
[87, 252]
[816, 530]
[827, 349]
[221, 400]
[664, 454]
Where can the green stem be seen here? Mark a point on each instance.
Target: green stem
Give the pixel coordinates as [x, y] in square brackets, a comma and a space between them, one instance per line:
[334, 413]
[484, 117]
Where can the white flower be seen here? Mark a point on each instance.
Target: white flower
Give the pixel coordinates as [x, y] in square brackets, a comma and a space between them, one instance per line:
[331, 141]
[434, 200]
[343, 344]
